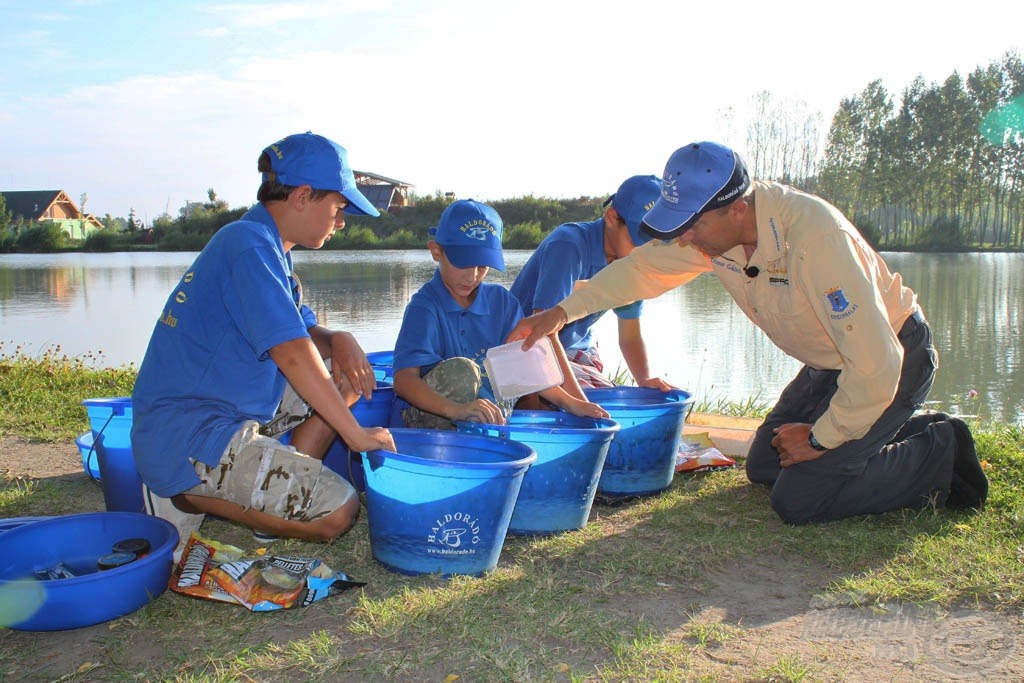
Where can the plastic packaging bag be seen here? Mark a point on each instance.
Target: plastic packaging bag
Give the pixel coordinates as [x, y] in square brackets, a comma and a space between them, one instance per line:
[217, 571]
[697, 453]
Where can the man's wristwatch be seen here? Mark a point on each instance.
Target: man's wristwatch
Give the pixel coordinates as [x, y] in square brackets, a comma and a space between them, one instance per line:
[815, 444]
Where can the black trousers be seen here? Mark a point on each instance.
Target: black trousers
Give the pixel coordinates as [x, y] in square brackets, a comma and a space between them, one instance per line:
[902, 462]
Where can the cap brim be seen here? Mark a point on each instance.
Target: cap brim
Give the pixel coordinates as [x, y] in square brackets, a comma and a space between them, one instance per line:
[664, 223]
[472, 257]
[358, 205]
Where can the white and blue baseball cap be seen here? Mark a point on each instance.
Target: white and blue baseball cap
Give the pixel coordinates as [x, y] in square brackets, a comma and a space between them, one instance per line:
[470, 233]
[310, 159]
[699, 177]
[634, 198]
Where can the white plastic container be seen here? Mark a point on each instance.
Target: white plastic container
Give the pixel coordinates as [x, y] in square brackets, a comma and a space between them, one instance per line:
[514, 372]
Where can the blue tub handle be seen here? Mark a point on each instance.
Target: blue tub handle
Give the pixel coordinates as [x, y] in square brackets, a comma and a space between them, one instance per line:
[92, 450]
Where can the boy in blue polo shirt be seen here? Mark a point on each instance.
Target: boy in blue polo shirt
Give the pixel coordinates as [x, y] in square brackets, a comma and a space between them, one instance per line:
[230, 339]
[451, 322]
[578, 251]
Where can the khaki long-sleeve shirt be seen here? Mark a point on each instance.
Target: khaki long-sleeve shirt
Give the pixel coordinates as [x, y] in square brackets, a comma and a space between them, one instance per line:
[822, 295]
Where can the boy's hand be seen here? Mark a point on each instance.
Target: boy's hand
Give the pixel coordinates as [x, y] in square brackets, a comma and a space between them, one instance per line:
[374, 438]
[656, 383]
[584, 408]
[538, 325]
[348, 392]
[479, 410]
[349, 360]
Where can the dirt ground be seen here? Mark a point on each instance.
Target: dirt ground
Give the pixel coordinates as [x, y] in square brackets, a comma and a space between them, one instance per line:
[774, 606]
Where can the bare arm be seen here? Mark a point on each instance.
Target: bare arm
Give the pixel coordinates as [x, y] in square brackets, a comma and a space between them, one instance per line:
[347, 358]
[571, 404]
[634, 352]
[300, 362]
[570, 384]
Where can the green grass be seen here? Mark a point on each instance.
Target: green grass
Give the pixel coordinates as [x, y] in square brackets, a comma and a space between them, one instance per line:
[42, 396]
[614, 601]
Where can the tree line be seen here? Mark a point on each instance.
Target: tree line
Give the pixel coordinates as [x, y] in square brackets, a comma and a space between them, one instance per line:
[941, 170]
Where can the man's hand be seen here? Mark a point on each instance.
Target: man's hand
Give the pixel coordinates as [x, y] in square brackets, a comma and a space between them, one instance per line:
[348, 359]
[791, 442]
[538, 325]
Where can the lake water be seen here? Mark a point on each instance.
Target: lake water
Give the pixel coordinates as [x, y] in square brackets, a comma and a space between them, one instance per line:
[104, 306]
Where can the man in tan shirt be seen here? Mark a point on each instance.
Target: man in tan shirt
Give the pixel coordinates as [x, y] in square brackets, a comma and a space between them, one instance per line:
[842, 439]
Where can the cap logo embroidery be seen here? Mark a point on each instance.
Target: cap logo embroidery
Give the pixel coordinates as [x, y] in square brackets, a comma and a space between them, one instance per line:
[669, 189]
[731, 193]
[277, 151]
[478, 230]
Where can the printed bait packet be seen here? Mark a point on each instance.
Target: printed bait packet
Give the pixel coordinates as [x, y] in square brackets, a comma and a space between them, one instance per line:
[217, 571]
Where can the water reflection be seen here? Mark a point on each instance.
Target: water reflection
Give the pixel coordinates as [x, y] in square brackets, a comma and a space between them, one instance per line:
[698, 339]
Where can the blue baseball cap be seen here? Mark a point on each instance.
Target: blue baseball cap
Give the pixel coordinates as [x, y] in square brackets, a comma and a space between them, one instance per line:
[310, 159]
[470, 233]
[634, 198]
[699, 177]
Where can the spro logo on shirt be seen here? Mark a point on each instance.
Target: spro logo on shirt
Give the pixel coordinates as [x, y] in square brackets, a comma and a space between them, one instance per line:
[778, 276]
[841, 308]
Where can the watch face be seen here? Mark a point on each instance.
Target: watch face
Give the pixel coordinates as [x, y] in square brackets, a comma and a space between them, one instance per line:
[814, 442]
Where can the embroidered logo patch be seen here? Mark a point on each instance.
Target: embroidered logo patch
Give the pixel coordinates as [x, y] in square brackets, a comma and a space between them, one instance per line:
[841, 308]
[837, 299]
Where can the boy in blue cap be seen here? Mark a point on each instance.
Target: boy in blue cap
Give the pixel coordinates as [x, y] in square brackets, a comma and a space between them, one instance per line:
[451, 322]
[231, 338]
[579, 251]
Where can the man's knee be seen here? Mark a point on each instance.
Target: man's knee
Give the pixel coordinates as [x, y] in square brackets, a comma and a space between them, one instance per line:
[762, 464]
[791, 510]
[761, 471]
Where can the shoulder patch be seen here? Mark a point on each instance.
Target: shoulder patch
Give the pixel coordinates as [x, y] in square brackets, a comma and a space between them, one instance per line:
[841, 307]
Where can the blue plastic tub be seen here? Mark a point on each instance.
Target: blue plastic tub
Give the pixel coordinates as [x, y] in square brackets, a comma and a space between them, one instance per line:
[558, 490]
[373, 413]
[111, 422]
[442, 503]
[92, 596]
[381, 362]
[10, 523]
[642, 458]
[90, 461]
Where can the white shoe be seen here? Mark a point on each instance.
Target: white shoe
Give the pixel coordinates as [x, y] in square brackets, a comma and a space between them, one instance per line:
[184, 522]
[262, 537]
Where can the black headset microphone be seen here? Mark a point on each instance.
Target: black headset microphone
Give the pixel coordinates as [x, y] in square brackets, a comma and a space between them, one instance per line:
[751, 271]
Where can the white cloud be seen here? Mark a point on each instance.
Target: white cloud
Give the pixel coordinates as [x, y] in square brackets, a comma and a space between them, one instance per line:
[258, 14]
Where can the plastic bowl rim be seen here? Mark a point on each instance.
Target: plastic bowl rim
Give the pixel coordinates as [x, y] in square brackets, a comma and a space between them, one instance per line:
[528, 455]
[152, 557]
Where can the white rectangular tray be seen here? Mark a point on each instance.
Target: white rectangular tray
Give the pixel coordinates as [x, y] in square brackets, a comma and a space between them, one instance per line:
[514, 372]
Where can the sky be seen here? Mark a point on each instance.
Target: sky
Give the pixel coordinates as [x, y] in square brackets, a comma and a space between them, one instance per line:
[147, 105]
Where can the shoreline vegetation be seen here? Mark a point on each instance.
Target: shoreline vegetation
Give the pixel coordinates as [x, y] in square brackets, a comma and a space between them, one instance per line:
[938, 168]
[527, 221]
[630, 597]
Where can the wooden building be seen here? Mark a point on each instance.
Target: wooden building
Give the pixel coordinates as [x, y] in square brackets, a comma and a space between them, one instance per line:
[386, 194]
[35, 206]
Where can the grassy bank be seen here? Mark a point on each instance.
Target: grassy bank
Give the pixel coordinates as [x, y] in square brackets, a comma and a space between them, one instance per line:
[620, 600]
